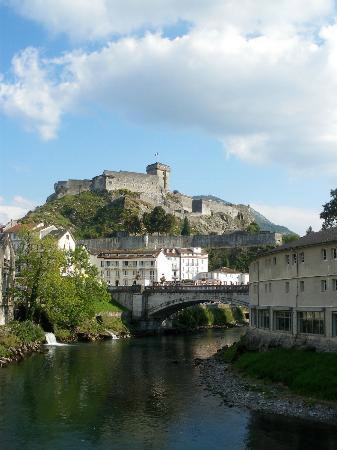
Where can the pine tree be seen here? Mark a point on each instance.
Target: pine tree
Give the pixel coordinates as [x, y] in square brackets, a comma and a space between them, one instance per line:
[186, 228]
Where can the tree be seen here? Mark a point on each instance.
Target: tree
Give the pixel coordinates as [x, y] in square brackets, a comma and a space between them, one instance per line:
[157, 221]
[61, 286]
[253, 227]
[133, 224]
[309, 230]
[290, 237]
[186, 228]
[329, 213]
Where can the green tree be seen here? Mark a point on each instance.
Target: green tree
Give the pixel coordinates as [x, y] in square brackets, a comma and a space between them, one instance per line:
[290, 237]
[186, 228]
[133, 224]
[253, 227]
[329, 213]
[62, 286]
[157, 221]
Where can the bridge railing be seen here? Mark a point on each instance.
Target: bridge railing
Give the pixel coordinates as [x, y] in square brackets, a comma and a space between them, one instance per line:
[242, 289]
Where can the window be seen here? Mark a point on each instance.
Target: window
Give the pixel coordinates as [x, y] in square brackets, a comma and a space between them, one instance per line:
[266, 288]
[334, 324]
[253, 317]
[311, 322]
[263, 318]
[269, 287]
[117, 273]
[108, 263]
[274, 260]
[301, 286]
[134, 263]
[125, 263]
[287, 287]
[324, 254]
[152, 263]
[102, 263]
[141, 263]
[282, 321]
[294, 258]
[126, 282]
[255, 288]
[323, 285]
[302, 257]
[108, 273]
[334, 253]
[125, 273]
[334, 285]
[288, 259]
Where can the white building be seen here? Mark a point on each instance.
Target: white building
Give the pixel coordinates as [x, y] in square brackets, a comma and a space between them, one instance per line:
[129, 267]
[186, 263]
[65, 240]
[225, 275]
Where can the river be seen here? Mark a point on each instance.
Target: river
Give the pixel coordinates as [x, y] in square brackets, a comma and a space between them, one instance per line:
[136, 394]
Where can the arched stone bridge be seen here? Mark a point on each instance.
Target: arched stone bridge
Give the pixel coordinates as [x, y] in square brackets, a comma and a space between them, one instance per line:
[152, 305]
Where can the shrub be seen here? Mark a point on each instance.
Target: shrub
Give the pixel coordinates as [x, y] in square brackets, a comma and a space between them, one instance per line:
[4, 352]
[64, 335]
[26, 331]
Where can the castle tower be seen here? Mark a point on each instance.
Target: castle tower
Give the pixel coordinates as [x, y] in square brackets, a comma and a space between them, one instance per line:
[163, 173]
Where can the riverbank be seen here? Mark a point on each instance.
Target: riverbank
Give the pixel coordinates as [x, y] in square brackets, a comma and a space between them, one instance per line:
[18, 340]
[223, 379]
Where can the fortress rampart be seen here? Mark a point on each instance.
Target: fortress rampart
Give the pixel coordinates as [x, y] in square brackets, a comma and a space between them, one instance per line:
[228, 240]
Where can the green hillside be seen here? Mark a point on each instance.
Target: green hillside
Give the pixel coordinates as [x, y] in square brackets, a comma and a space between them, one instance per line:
[90, 214]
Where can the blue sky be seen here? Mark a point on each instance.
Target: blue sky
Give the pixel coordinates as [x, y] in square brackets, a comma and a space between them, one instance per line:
[239, 106]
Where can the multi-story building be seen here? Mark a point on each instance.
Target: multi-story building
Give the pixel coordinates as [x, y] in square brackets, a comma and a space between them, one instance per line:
[7, 276]
[293, 288]
[186, 263]
[225, 275]
[129, 267]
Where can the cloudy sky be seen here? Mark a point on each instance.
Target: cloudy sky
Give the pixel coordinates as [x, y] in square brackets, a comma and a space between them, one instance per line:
[238, 96]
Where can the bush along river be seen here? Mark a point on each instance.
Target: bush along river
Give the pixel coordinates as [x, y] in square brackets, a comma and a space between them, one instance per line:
[137, 394]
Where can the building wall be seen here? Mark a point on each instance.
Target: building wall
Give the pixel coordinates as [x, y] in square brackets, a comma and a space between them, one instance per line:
[291, 282]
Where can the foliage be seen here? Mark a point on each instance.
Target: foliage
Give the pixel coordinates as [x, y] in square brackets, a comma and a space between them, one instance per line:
[133, 224]
[114, 324]
[201, 315]
[304, 372]
[104, 307]
[4, 351]
[329, 213]
[26, 331]
[88, 214]
[309, 230]
[290, 237]
[235, 258]
[186, 228]
[64, 335]
[253, 228]
[62, 286]
[158, 221]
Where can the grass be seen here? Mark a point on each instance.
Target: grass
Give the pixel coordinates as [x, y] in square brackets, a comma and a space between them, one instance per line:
[105, 307]
[304, 372]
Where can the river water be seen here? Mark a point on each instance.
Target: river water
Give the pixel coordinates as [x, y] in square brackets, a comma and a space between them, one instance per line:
[136, 394]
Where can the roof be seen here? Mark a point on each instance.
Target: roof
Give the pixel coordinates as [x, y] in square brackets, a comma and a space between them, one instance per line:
[57, 233]
[180, 251]
[126, 254]
[314, 238]
[19, 226]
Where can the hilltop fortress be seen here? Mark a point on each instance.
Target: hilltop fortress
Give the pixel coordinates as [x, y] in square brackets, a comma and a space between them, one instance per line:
[153, 187]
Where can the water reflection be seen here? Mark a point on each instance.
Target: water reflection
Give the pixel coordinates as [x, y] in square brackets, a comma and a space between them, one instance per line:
[130, 394]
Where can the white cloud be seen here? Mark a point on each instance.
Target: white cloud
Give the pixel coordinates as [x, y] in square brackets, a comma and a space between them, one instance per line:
[296, 219]
[16, 209]
[87, 19]
[33, 95]
[261, 79]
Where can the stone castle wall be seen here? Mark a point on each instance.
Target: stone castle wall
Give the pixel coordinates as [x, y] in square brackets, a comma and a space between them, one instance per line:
[229, 240]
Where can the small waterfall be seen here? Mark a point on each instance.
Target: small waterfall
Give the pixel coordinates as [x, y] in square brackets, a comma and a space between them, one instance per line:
[51, 339]
[113, 336]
